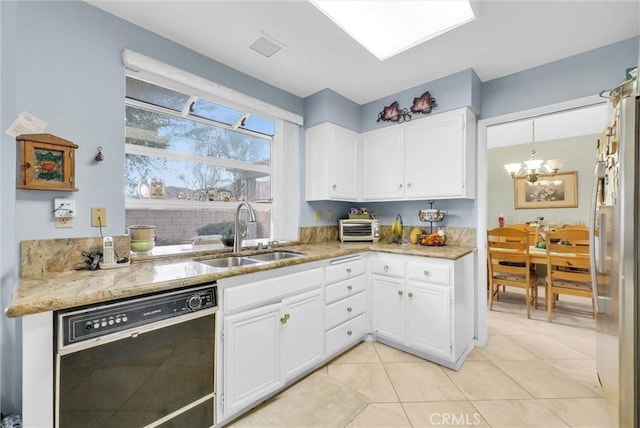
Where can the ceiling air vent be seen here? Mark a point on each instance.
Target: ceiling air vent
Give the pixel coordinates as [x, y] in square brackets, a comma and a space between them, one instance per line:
[265, 45]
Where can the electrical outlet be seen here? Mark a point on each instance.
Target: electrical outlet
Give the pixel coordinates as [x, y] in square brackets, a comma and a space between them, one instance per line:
[318, 215]
[98, 217]
[329, 215]
[64, 208]
[62, 223]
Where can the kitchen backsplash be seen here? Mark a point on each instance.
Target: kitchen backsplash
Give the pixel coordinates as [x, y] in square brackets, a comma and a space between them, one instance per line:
[458, 236]
[60, 255]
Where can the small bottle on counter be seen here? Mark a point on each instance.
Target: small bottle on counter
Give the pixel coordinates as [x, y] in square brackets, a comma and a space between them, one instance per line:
[501, 220]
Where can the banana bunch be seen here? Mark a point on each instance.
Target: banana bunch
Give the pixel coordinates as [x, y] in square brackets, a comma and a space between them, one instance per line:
[396, 226]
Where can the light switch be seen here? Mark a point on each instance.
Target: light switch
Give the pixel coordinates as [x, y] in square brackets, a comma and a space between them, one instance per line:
[318, 215]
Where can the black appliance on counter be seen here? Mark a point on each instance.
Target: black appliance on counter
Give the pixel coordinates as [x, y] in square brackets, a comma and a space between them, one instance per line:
[140, 362]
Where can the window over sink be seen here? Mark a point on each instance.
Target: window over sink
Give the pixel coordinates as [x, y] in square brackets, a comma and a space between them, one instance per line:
[189, 160]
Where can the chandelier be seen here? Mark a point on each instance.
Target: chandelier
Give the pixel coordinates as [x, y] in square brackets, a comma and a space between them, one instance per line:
[533, 168]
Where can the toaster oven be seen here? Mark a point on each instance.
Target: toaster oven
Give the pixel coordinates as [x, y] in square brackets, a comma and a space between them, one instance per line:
[363, 230]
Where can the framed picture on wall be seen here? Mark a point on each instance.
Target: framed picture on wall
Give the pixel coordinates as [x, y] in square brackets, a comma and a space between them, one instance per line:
[550, 191]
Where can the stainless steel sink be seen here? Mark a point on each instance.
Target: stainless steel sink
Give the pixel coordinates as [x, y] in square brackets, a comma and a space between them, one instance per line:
[273, 256]
[229, 262]
[250, 259]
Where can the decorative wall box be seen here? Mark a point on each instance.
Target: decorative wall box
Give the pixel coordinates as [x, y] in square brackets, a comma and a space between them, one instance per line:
[46, 162]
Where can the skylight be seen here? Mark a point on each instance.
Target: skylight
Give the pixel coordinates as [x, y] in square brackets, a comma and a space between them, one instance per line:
[387, 28]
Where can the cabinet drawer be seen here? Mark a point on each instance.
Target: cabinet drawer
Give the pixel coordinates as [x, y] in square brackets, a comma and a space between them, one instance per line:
[345, 309]
[271, 290]
[434, 273]
[387, 267]
[344, 270]
[344, 289]
[345, 334]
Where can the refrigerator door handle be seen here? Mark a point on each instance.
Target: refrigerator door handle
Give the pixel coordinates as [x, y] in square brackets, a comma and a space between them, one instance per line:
[596, 263]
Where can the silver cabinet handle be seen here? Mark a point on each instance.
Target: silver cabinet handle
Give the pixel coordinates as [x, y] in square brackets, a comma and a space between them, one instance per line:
[408, 184]
[349, 309]
[401, 185]
[400, 293]
[348, 270]
[426, 273]
[410, 294]
[386, 268]
[349, 287]
[349, 333]
[335, 186]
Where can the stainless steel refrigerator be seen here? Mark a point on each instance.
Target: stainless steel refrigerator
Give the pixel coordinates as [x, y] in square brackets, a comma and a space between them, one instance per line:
[614, 254]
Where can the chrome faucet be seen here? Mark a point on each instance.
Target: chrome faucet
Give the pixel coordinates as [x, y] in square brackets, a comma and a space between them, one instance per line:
[237, 239]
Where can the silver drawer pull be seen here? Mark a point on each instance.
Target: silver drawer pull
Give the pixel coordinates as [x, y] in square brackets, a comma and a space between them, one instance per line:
[426, 273]
[349, 287]
[335, 186]
[386, 267]
[348, 270]
[400, 293]
[349, 333]
[349, 309]
[410, 294]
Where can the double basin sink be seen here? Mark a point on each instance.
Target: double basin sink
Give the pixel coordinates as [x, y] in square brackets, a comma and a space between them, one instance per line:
[229, 262]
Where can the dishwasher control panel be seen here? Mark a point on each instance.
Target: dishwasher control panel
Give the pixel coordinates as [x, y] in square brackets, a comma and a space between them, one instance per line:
[104, 319]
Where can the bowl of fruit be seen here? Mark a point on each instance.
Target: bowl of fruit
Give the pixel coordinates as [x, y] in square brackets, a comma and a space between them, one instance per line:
[431, 240]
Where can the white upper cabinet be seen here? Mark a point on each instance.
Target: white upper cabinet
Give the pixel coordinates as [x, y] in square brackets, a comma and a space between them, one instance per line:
[383, 164]
[331, 163]
[439, 156]
[428, 158]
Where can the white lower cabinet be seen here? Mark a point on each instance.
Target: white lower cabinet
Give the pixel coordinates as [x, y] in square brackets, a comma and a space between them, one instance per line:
[388, 309]
[301, 327]
[429, 318]
[346, 303]
[252, 356]
[424, 305]
[268, 345]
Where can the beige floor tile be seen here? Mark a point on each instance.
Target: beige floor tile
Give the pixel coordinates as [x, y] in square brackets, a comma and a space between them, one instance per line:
[482, 380]
[388, 354]
[422, 382]
[542, 380]
[547, 348]
[582, 412]
[583, 371]
[362, 353]
[584, 343]
[503, 348]
[476, 355]
[448, 414]
[517, 413]
[377, 415]
[369, 379]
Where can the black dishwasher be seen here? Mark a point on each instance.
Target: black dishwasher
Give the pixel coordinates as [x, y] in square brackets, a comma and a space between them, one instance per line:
[140, 362]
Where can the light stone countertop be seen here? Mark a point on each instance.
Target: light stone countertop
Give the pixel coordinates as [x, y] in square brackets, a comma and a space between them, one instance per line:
[54, 291]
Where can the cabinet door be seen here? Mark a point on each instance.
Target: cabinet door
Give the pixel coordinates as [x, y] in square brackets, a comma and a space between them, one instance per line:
[343, 163]
[251, 356]
[435, 157]
[382, 164]
[388, 307]
[302, 327]
[429, 318]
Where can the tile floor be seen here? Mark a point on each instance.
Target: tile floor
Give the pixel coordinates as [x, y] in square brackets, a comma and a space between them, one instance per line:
[531, 374]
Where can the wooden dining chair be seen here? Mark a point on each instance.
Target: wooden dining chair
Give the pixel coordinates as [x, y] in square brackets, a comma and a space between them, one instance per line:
[568, 266]
[533, 231]
[509, 265]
